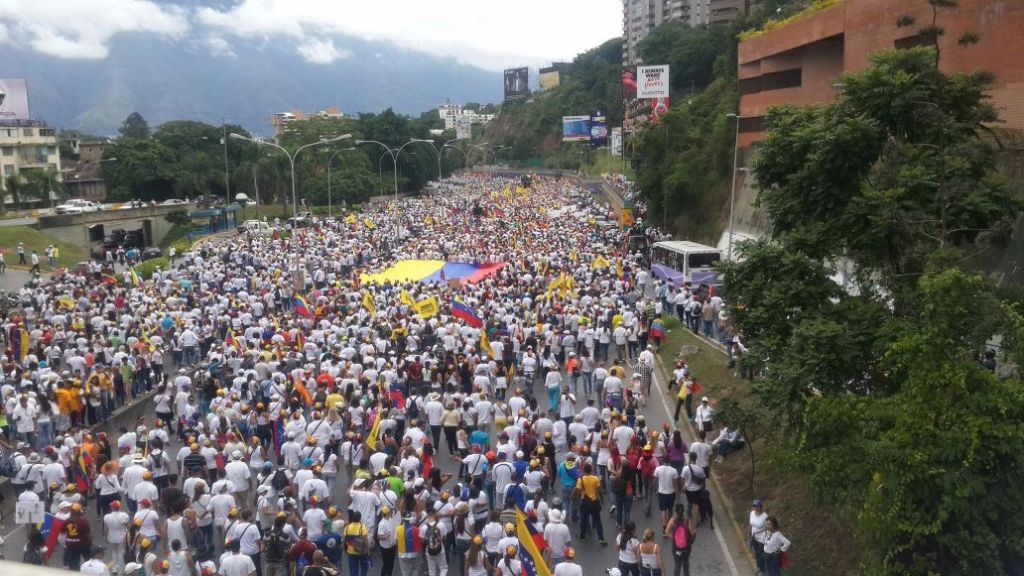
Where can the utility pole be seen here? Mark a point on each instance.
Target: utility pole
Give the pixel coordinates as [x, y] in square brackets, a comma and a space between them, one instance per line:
[227, 178]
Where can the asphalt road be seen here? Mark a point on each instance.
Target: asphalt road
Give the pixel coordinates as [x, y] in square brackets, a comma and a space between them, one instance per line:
[716, 552]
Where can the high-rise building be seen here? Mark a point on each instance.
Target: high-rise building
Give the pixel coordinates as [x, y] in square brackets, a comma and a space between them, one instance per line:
[641, 17]
[281, 120]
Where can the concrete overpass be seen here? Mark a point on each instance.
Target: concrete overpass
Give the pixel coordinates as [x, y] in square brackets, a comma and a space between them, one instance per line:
[90, 228]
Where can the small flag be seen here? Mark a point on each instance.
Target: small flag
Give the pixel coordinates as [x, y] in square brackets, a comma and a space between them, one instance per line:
[463, 312]
[134, 277]
[600, 262]
[351, 220]
[50, 529]
[485, 344]
[406, 299]
[372, 437]
[300, 306]
[369, 224]
[369, 304]
[427, 308]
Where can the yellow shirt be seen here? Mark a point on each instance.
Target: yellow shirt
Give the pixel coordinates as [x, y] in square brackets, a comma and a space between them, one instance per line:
[589, 485]
[353, 533]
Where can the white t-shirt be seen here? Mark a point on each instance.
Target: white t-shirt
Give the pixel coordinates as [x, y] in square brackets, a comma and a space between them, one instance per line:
[568, 569]
[667, 477]
[237, 565]
[117, 526]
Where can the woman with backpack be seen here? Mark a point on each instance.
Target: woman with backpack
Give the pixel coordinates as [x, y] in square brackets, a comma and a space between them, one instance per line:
[682, 534]
[357, 545]
[629, 550]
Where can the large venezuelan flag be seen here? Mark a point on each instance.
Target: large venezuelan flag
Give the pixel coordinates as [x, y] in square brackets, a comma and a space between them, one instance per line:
[531, 545]
[463, 312]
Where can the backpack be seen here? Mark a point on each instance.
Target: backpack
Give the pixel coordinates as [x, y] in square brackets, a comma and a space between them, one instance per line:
[681, 537]
[8, 466]
[276, 545]
[435, 540]
[412, 409]
[279, 481]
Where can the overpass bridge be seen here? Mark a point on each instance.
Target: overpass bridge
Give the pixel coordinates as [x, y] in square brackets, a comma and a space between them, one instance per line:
[89, 229]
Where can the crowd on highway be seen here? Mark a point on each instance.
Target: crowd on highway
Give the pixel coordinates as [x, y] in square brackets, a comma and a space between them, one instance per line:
[307, 422]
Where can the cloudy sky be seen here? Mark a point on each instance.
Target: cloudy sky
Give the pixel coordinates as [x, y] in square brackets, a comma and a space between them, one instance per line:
[493, 34]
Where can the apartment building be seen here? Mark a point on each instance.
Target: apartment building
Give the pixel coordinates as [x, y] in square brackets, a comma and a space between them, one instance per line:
[27, 145]
[641, 17]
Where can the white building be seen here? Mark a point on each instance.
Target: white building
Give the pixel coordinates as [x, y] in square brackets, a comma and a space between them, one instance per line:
[451, 113]
[25, 146]
[641, 17]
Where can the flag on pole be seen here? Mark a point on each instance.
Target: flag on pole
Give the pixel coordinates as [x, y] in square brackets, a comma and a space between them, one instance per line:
[485, 344]
[531, 547]
[134, 276]
[369, 304]
[300, 306]
[50, 529]
[369, 224]
[406, 299]
[463, 312]
[232, 341]
[371, 438]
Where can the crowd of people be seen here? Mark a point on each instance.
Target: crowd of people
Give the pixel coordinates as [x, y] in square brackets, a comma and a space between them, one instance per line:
[305, 420]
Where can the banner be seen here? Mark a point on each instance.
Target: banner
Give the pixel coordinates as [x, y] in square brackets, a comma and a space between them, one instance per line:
[617, 141]
[598, 129]
[658, 109]
[652, 81]
[463, 128]
[15, 101]
[517, 83]
[575, 128]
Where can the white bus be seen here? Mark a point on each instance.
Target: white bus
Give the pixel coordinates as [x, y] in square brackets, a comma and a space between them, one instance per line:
[680, 261]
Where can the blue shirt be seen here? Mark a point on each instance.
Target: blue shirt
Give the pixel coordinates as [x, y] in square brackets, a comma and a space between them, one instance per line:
[330, 544]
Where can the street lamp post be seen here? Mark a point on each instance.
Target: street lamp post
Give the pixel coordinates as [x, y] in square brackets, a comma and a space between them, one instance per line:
[330, 213]
[732, 190]
[436, 151]
[482, 145]
[465, 159]
[291, 158]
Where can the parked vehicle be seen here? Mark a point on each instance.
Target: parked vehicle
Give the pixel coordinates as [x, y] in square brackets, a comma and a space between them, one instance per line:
[244, 200]
[256, 227]
[151, 253]
[301, 220]
[174, 202]
[78, 206]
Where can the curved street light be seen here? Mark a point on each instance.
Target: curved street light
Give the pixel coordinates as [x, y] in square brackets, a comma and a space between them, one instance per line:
[291, 157]
[437, 151]
[450, 146]
[329, 161]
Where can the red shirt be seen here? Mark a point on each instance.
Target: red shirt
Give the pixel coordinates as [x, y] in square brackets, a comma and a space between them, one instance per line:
[302, 549]
[78, 533]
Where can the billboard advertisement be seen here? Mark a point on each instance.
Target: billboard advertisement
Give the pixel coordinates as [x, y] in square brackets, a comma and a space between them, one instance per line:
[575, 128]
[15, 100]
[517, 83]
[463, 128]
[652, 81]
[599, 129]
[549, 78]
[616, 137]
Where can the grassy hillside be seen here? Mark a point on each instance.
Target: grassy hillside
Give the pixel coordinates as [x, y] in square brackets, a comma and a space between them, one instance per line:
[10, 236]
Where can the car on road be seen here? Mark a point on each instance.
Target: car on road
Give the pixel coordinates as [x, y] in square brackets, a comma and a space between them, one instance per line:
[78, 206]
[301, 220]
[132, 204]
[256, 227]
[174, 202]
[151, 253]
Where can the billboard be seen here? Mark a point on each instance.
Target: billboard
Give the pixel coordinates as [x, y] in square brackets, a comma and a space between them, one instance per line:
[549, 78]
[616, 141]
[517, 83]
[599, 129]
[652, 81]
[15, 101]
[575, 128]
[463, 128]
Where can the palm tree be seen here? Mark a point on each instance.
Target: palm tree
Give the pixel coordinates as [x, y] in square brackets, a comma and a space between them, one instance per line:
[14, 184]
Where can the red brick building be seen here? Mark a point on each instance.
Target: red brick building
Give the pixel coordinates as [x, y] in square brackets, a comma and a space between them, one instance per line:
[798, 63]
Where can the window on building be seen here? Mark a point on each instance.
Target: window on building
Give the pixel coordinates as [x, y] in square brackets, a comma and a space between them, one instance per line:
[782, 79]
[912, 42]
[51, 150]
[753, 124]
[28, 132]
[8, 170]
[8, 150]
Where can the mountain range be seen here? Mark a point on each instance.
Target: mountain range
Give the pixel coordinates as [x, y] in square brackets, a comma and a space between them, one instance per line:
[243, 83]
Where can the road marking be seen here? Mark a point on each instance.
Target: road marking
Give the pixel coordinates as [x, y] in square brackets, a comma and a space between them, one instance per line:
[718, 533]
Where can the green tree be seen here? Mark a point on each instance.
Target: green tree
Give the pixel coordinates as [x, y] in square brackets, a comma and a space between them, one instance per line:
[134, 127]
[144, 170]
[14, 185]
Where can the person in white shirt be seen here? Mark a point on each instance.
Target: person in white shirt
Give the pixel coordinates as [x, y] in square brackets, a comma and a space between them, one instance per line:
[568, 567]
[95, 566]
[115, 526]
[668, 486]
[237, 564]
[758, 520]
[558, 537]
[238, 474]
[775, 543]
[704, 416]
